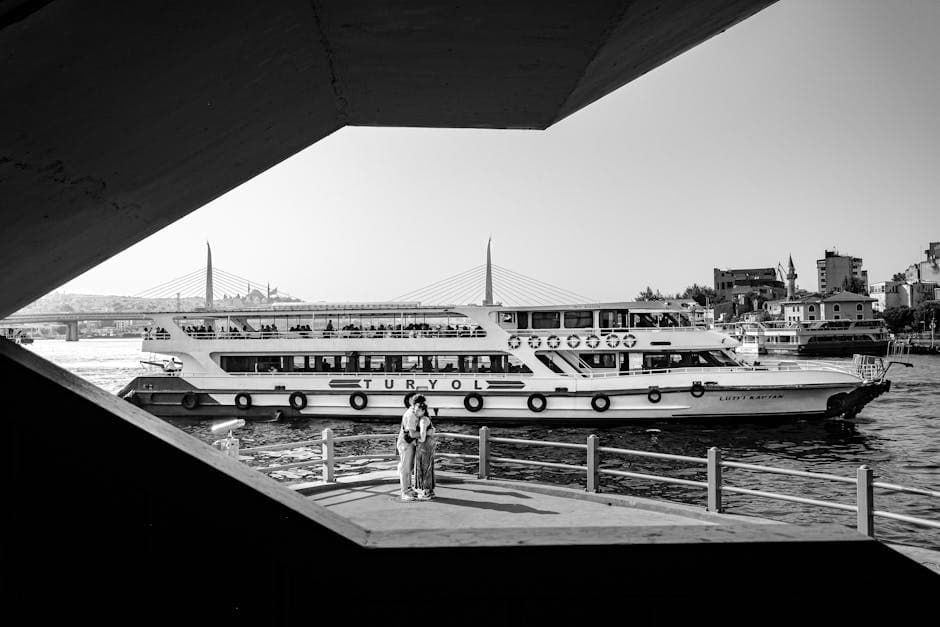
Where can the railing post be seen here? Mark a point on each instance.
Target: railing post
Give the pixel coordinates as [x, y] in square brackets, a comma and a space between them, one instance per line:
[484, 472]
[714, 480]
[865, 498]
[326, 450]
[593, 457]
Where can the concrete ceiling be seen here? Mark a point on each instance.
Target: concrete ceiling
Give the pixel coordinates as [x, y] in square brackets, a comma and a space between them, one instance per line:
[118, 118]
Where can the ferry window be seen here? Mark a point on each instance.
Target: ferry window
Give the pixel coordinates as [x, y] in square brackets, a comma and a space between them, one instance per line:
[655, 361]
[300, 363]
[599, 360]
[613, 318]
[546, 320]
[507, 318]
[237, 363]
[718, 358]
[579, 319]
[522, 319]
[447, 363]
[269, 363]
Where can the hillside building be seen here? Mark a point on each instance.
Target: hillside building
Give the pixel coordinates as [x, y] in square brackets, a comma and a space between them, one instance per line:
[835, 272]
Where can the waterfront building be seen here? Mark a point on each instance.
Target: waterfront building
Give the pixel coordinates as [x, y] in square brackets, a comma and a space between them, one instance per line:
[927, 270]
[887, 294]
[840, 306]
[836, 272]
[916, 292]
[727, 280]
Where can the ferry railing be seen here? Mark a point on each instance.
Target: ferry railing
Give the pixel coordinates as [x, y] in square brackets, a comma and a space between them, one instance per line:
[715, 486]
[364, 334]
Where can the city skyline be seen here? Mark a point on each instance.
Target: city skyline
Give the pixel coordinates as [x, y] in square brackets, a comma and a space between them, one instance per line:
[810, 126]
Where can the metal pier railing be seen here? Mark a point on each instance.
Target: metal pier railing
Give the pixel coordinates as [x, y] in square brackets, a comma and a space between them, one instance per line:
[715, 487]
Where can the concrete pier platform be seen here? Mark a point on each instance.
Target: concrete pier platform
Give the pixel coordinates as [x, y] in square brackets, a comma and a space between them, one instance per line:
[473, 512]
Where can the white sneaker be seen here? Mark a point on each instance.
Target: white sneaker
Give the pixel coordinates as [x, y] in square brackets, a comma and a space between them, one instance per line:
[407, 496]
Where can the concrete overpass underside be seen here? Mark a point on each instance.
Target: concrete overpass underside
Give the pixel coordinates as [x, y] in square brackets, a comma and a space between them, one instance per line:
[118, 118]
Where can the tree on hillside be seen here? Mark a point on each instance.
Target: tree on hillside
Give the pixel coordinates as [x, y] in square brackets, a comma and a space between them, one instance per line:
[899, 319]
[648, 294]
[699, 293]
[899, 276]
[854, 285]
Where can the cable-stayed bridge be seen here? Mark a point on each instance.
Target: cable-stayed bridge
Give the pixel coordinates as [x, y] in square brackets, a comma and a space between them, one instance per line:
[219, 290]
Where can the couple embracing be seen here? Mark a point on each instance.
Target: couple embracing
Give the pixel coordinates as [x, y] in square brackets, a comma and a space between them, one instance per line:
[416, 452]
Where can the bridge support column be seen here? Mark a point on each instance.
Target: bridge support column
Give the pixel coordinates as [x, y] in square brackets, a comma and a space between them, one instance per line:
[71, 331]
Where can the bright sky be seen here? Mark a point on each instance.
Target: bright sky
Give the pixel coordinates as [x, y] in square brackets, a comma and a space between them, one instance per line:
[812, 125]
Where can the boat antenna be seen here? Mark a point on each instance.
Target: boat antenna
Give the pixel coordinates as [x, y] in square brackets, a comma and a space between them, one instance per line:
[208, 277]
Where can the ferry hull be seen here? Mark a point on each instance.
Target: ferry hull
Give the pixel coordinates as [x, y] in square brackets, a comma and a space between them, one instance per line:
[164, 397]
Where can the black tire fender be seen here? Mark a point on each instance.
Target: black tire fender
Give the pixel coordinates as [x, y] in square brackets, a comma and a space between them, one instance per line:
[243, 400]
[537, 403]
[654, 395]
[190, 401]
[358, 401]
[600, 402]
[473, 402]
[697, 390]
[298, 400]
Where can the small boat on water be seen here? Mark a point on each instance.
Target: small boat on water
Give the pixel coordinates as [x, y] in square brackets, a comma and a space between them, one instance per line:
[608, 362]
[18, 336]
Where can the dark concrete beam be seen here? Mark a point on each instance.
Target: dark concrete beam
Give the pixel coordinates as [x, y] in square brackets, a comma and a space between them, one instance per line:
[120, 117]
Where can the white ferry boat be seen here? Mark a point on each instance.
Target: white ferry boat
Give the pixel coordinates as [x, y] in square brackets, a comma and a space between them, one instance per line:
[812, 338]
[600, 362]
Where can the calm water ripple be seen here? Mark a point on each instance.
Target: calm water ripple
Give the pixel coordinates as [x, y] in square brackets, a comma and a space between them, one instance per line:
[897, 435]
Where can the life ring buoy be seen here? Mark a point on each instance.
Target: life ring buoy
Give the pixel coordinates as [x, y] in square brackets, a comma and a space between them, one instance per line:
[592, 341]
[297, 400]
[697, 390]
[537, 403]
[629, 340]
[358, 401]
[190, 401]
[473, 402]
[613, 340]
[600, 402]
[408, 397]
[553, 341]
[514, 342]
[574, 341]
[534, 341]
[243, 400]
[654, 395]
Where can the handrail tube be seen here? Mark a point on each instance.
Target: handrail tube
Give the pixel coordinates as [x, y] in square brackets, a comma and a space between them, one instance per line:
[787, 471]
[525, 462]
[459, 436]
[900, 488]
[358, 438]
[910, 519]
[625, 451]
[306, 462]
[351, 458]
[456, 455]
[580, 447]
[282, 447]
[638, 475]
[795, 499]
